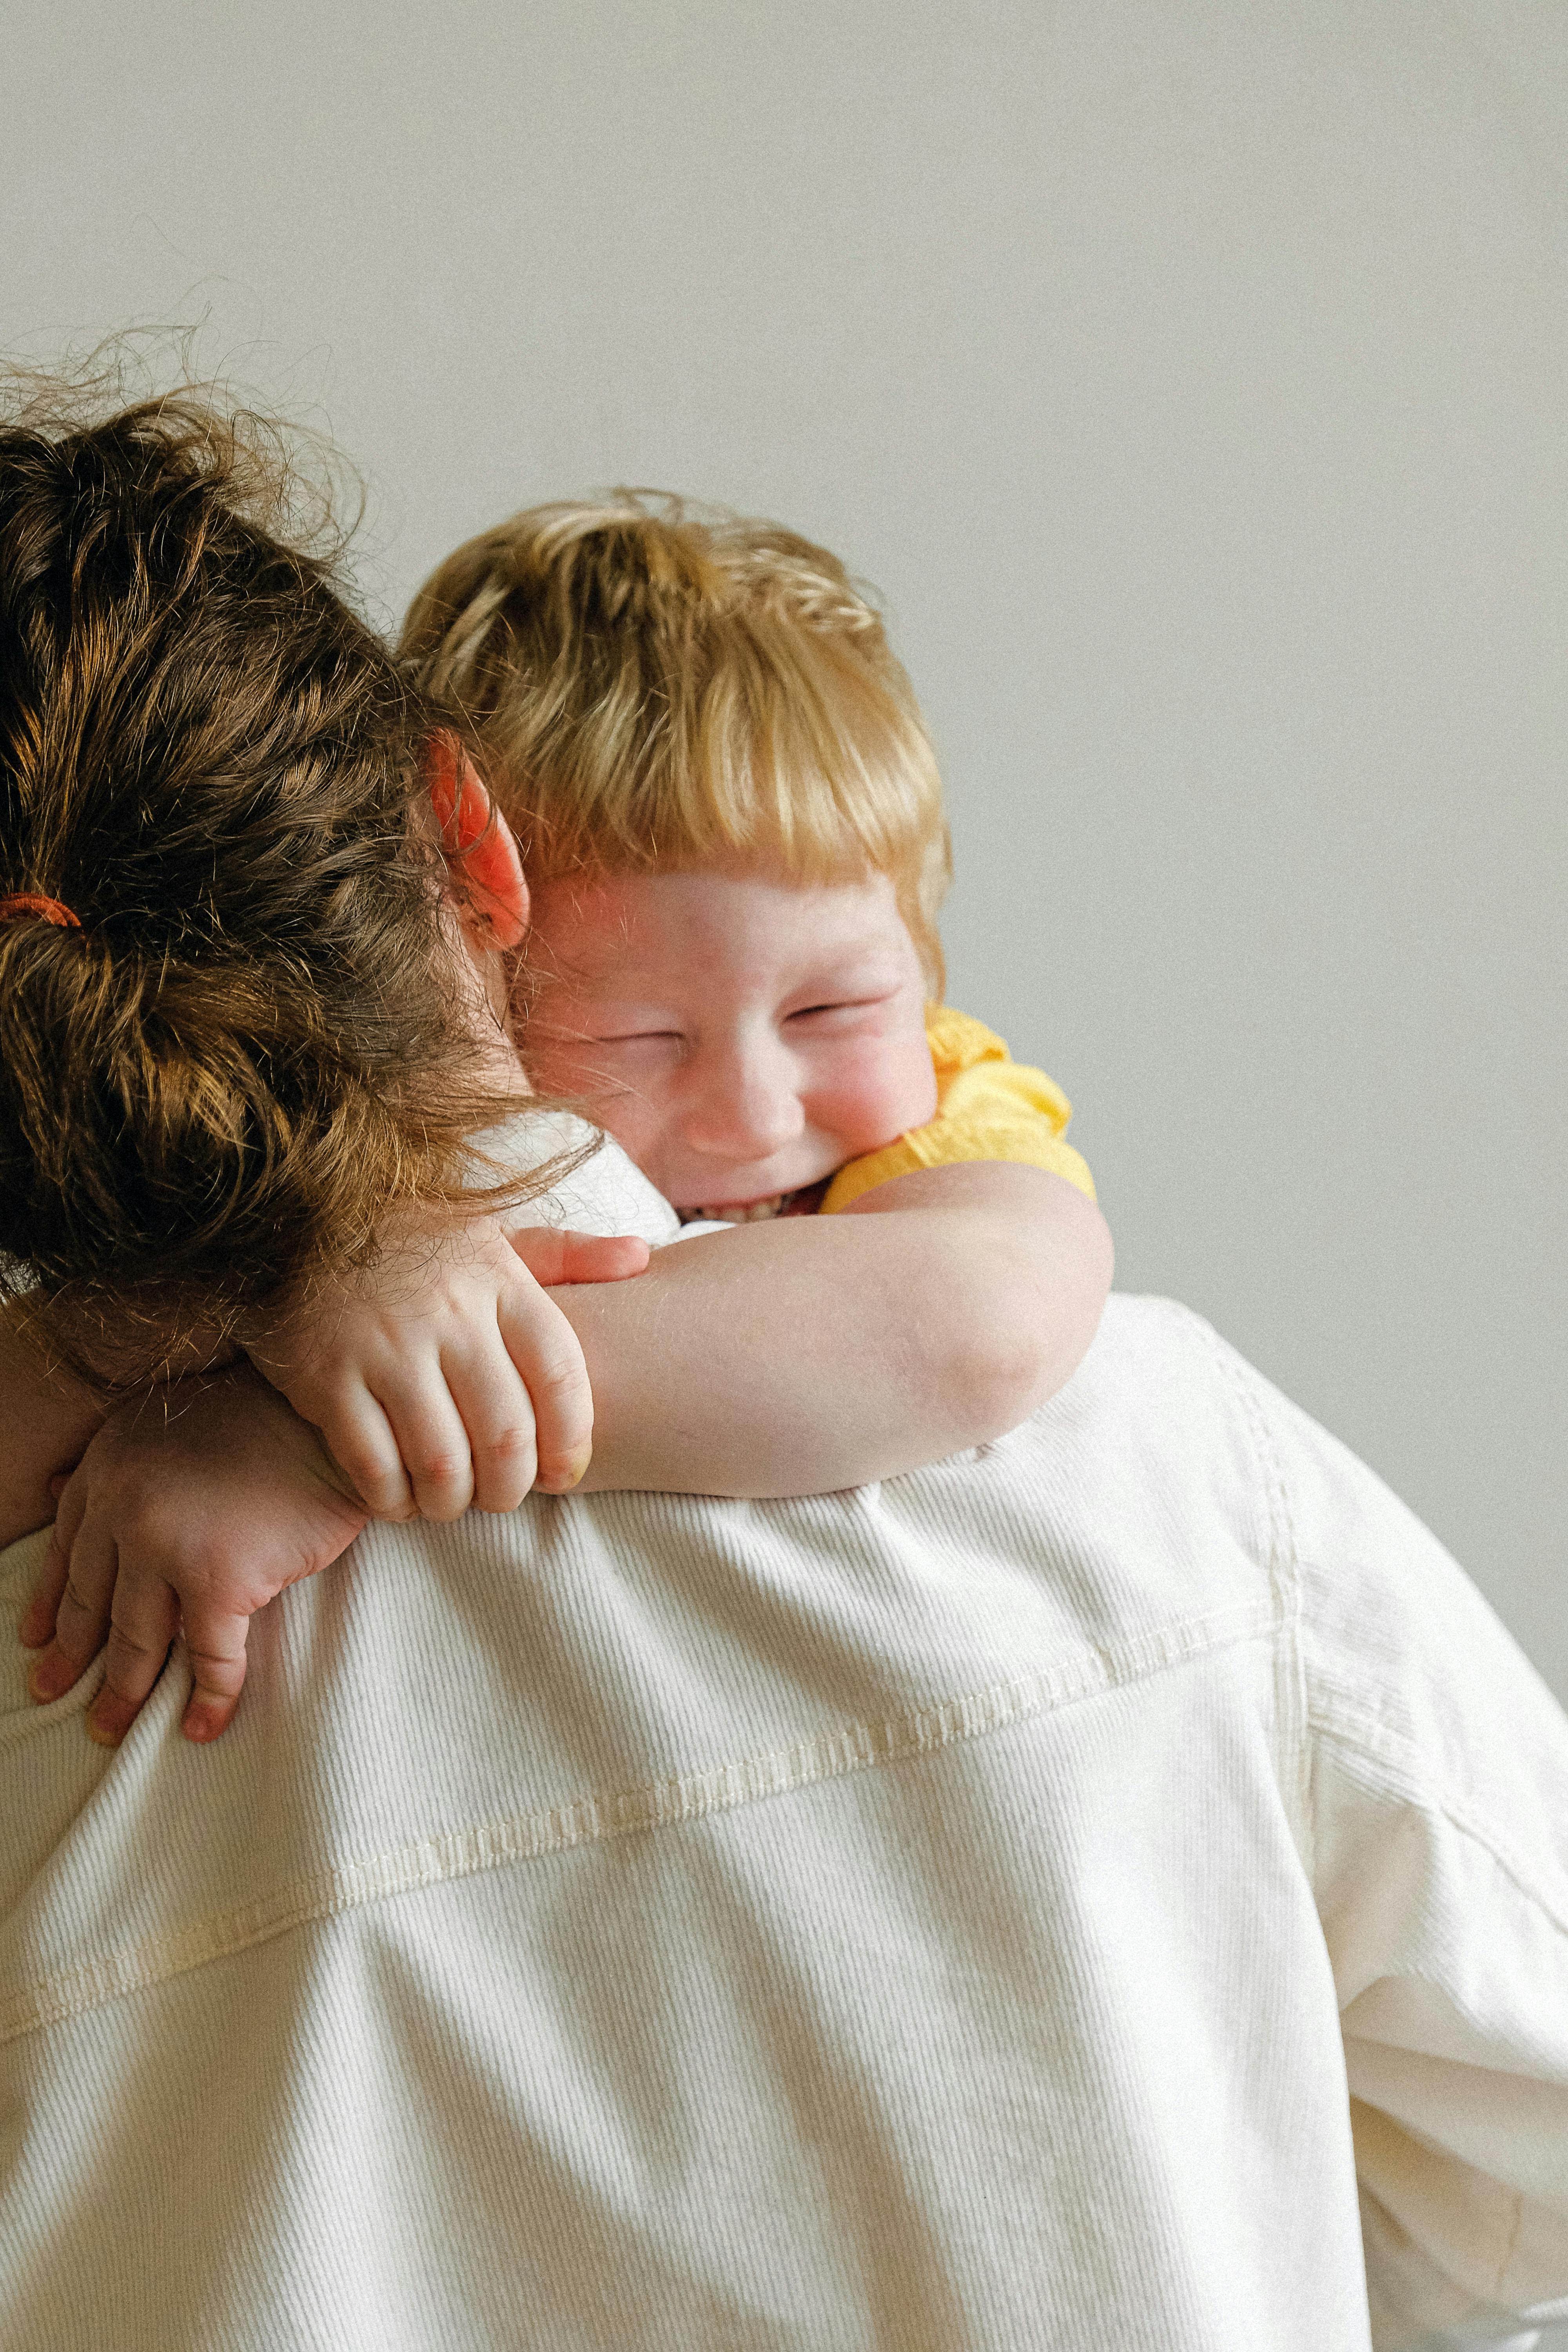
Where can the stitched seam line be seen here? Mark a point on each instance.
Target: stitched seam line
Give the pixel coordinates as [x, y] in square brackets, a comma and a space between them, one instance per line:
[1282, 1557]
[657, 1804]
[1284, 1566]
[1366, 1738]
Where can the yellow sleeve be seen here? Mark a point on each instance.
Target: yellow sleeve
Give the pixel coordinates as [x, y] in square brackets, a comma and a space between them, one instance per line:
[989, 1107]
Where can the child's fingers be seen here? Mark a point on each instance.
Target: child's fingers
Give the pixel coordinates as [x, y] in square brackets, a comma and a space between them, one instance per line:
[485, 1386]
[551, 1255]
[431, 1439]
[145, 1617]
[215, 1639]
[81, 1619]
[38, 1624]
[360, 1441]
[547, 1351]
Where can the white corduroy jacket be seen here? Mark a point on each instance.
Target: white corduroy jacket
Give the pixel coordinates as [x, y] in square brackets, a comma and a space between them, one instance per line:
[1011, 1907]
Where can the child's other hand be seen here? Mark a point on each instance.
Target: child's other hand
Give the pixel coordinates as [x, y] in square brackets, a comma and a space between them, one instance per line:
[188, 1511]
[447, 1377]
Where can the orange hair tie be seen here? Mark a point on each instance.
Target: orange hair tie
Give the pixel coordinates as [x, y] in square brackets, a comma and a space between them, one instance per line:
[50, 910]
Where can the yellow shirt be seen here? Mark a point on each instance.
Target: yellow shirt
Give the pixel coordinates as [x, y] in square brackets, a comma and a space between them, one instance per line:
[989, 1107]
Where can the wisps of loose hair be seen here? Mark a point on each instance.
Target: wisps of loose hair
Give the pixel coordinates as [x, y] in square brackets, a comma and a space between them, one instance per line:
[651, 686]
[253, 1047]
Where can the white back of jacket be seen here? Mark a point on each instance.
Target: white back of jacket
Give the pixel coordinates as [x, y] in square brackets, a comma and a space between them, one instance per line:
[1001, 1909]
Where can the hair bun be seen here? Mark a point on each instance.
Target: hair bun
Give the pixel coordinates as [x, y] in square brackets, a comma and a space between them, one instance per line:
[254, 1047]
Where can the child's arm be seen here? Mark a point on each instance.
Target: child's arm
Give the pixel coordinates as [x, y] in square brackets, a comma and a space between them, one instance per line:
[194, 1505]
[812, 1353]
[47, 1418]
[785, 1359]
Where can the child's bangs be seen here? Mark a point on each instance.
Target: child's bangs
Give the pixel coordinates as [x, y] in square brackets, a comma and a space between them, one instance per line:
[653, 690]
[813, 764]
[793, 755]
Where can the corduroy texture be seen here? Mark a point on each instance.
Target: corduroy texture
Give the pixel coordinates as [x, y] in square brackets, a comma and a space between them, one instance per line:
[940, 1916]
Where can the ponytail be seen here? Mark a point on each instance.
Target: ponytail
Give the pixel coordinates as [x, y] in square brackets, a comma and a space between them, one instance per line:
[243, 1042]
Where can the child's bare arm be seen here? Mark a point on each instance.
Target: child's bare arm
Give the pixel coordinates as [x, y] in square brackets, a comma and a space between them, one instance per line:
[818, 1352]
[47, 1418]
[784, 1359]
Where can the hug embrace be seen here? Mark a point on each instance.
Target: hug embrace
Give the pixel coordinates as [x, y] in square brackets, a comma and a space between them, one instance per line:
[638, 1715]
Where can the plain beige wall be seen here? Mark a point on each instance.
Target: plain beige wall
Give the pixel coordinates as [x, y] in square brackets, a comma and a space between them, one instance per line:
[1190, 380]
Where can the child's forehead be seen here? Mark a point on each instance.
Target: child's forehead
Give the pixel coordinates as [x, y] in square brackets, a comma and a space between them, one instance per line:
[756, 898]
[737, 913]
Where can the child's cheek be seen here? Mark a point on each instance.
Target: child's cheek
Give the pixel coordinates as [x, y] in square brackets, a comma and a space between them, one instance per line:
[554, 1068]
[917, 1087]
[623, 1111]
[562, 1055]
[880, 1100]
[573, 1071]
[636, 1125]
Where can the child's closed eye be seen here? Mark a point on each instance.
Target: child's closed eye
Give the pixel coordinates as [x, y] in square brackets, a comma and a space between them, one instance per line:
[837, 1013]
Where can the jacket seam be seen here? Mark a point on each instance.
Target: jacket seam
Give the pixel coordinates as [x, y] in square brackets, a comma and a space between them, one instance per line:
[1369, 1739]
[725, 1787]
[1282, 1565]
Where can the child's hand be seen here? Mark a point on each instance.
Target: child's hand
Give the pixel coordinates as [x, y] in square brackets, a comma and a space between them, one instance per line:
[188, 1511]
[447, 1377]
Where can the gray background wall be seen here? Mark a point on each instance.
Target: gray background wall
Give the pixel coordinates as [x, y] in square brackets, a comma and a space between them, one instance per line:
[1190, 378]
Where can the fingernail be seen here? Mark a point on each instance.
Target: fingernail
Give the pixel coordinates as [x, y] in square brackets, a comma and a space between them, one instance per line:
[100, 1732]
[200, 1726]
[49, 1678]
[560, 1482]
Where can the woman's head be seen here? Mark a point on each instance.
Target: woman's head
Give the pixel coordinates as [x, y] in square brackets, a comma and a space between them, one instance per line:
[248, 1042]
[656, 689]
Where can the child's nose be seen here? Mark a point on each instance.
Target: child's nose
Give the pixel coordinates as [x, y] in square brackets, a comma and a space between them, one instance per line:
[746, 1106]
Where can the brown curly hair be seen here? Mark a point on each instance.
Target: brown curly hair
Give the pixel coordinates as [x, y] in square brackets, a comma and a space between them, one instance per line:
[250, 1043]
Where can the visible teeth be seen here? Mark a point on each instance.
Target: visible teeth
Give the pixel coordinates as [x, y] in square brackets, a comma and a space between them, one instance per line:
[745, 1212]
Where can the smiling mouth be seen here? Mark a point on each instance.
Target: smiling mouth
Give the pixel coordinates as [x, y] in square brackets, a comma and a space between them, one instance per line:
[739, 1213]
[803, 1202]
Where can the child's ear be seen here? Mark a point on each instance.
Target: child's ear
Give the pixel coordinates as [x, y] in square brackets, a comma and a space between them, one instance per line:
[477, 837]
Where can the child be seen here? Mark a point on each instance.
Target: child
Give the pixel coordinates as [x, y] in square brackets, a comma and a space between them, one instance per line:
[724, 793]
[889, 1372]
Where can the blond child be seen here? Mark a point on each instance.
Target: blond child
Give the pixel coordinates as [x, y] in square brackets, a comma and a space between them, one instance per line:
[732, 819]
[203, 1003]
[732, 822]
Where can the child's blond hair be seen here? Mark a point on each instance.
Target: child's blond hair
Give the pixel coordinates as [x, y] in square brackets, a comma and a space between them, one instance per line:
[651, 686]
